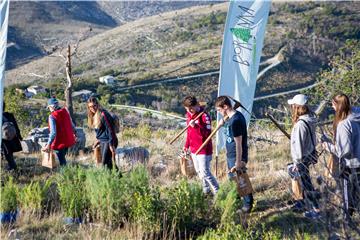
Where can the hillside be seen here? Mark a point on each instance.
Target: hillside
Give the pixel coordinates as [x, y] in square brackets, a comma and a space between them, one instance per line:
[189, 40]
[34, 26]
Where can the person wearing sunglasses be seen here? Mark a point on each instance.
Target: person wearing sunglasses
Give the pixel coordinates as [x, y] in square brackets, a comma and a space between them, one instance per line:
[103, 123]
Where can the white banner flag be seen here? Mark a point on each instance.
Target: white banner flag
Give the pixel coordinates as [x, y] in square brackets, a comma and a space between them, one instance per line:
[240, 55]
[4, 16]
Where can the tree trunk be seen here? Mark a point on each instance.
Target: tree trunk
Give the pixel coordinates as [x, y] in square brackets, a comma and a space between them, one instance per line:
[68, 89]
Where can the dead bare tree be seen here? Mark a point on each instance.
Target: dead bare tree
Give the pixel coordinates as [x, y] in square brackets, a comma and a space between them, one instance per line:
[67, 61]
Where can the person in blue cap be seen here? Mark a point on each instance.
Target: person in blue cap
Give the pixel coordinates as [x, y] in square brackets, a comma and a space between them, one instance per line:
[62, 130]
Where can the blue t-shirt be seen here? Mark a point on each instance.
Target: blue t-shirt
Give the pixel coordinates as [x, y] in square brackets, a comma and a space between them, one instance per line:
[235, 127]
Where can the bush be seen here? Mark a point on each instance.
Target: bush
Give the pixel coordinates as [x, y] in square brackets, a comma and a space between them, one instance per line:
[233, 232]
[71, 185]
[9, 196]
[103, 90]
[227, 202]
[107, 197]
[114, 198]
[185, 204]
[33, 196]
[146, 210]
[142, 131]
[12, 100]
[341, 77]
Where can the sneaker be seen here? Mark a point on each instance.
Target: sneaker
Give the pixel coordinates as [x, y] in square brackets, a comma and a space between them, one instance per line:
[312, 214]
[246, 209]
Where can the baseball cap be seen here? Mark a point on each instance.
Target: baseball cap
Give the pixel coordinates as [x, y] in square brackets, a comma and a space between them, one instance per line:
[299, 99]
[52, 102]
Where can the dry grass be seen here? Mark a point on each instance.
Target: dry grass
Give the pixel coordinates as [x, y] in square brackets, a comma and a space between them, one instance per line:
[267, 170]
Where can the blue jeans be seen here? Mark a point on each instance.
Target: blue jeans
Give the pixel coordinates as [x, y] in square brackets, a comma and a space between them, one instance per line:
[248, 199]
[202, 168]
[60, 154]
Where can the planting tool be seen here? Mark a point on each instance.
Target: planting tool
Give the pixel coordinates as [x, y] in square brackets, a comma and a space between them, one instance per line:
[278, 125]
[210, 136]
[182, 131]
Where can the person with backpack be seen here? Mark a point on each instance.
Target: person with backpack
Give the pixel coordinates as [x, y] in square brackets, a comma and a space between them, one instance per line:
[105, 128]
[198, 131]
[62, 131]
[303, 150]
[236, 143]
[346, 148]
[11, 138]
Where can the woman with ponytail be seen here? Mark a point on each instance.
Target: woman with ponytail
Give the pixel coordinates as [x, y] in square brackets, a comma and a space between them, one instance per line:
[346, 147]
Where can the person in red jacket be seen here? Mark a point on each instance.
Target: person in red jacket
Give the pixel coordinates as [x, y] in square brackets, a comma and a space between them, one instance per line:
[62, 131]
[197, 133]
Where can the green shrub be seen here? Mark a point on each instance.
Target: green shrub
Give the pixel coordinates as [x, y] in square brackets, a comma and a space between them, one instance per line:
[142, 131]
[9, 196]
[145, 131]
[71, 185]
[147, 114]
[107, 197]
[137, 181]
[146, 210]
[129, 133]
[185, 204]
[33, 196]
[104, 89]
[234, 232]
[12, 100]
[227, 202]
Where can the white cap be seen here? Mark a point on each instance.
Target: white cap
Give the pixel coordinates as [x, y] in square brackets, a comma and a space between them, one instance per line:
[299, 99]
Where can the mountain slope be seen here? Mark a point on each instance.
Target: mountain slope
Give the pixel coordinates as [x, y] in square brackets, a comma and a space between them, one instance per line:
[189, 40]
[34, 26]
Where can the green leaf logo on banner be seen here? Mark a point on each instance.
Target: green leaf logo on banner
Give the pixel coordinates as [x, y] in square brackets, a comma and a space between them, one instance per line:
[241, 33]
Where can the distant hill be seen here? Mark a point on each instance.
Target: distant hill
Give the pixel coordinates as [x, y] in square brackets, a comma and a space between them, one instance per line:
[189, 40]
[35, 25]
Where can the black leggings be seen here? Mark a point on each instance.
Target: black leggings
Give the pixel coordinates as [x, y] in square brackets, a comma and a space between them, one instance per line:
[9, 156]
[106, 154]
[307, 186]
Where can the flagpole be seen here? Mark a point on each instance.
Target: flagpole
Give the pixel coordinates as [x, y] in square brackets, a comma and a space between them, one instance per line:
[4, 16]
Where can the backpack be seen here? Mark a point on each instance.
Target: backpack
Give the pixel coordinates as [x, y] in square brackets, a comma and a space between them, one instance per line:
[116, 122]
[8, 130]
[314, 155]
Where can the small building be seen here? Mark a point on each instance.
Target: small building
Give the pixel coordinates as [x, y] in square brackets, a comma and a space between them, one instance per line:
[36, 89]
[82, 95]
[108, 79]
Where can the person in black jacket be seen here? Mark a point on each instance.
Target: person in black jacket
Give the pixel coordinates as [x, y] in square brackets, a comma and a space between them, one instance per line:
[103, 123]
[8, 147]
